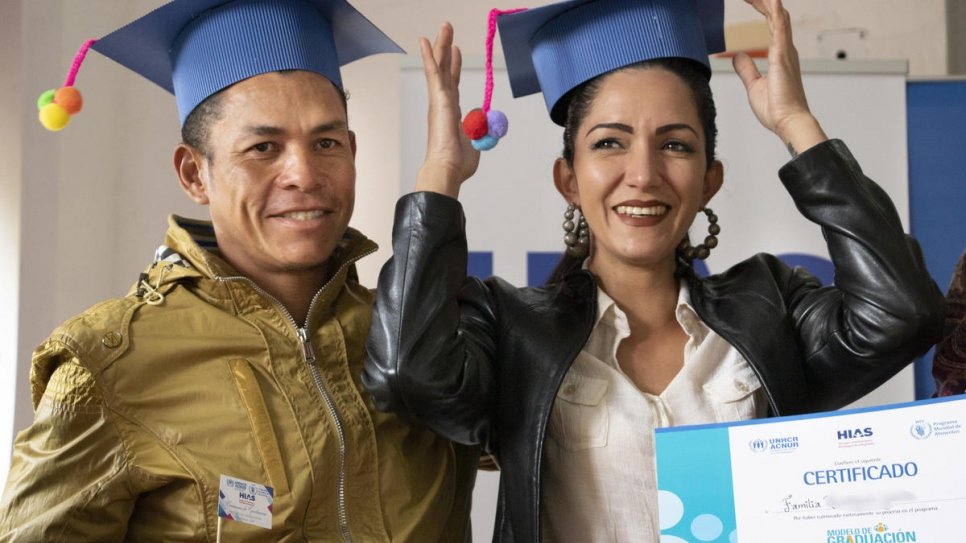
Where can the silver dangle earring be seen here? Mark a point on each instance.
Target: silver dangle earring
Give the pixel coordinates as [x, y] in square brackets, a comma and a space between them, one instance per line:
[702, 250]
[577, 242]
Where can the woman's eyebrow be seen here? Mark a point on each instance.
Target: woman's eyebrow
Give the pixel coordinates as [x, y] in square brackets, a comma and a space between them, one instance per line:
[675, 126]
[617, 126]
[627, 128]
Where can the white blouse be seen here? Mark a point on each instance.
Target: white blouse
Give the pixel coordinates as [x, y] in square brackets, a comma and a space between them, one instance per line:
[599, 477]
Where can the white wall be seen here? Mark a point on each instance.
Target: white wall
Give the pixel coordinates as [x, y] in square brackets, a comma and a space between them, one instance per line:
[84, 209]
[892, 29]
[91, 189]
[12, 376]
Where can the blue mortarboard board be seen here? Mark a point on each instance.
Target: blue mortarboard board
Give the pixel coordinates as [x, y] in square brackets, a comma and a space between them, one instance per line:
[194, 48]
[554, 48]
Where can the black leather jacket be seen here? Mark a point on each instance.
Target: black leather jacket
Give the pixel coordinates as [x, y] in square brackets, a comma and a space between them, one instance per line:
[481, 361]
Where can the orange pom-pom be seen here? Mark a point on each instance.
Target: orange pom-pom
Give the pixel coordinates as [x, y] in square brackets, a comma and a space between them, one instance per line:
[54, 117]
[474, 124]
[69, 98]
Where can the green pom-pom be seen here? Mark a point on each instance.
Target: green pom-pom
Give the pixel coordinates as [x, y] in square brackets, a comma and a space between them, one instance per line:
[45, 98]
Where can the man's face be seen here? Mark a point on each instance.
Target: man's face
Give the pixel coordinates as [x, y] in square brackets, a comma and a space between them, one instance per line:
[280, 174]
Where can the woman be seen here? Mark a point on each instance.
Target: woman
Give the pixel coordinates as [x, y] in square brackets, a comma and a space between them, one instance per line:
[564, 384]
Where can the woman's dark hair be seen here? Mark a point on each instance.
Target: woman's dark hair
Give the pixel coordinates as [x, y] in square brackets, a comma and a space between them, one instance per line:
[578, 101]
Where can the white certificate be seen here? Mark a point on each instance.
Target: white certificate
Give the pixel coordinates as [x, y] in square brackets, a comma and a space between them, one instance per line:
[890, 474]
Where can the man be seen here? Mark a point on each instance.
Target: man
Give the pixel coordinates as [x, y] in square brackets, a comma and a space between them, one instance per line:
[235, 361]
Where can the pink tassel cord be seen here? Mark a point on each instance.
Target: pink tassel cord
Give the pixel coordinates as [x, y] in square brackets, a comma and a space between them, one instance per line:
[490, 34]
[78, 60]
[483, 126]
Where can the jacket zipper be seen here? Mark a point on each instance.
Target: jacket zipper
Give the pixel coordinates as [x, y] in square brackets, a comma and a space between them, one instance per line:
[308, 354]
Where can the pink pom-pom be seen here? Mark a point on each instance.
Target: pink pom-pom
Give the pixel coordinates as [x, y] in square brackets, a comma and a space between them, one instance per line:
[496, 123]
[474, 124]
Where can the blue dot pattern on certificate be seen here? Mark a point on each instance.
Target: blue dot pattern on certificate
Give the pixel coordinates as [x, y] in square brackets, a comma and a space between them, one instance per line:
[694, 483]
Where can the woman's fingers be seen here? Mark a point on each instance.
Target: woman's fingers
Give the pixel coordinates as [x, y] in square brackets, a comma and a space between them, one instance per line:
[442, 50]
[450, 159]
[430, 68]
[779, 25]
[778, 98]
[442, 62]
[456, 66]
[745, 68]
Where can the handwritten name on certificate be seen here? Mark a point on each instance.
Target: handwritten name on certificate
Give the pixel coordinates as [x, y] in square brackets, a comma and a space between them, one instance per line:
[889, 474]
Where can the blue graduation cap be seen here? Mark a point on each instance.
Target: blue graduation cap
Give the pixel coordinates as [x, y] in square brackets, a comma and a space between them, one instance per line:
[554, 48]
[195, 48]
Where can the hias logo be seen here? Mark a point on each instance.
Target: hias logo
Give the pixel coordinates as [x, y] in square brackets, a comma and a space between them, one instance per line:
[855, 433]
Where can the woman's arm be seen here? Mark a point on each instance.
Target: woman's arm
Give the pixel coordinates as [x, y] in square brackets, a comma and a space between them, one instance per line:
[884, 309]
[432, 340]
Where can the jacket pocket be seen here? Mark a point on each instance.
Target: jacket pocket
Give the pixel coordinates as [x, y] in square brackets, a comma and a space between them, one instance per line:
[734, 394]
[579, 419]
[261, 423]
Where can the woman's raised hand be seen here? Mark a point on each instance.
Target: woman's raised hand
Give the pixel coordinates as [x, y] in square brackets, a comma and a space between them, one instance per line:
[778, 97]
[450, 157]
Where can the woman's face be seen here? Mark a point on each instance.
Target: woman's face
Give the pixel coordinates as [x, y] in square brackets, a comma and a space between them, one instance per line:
[639, 171]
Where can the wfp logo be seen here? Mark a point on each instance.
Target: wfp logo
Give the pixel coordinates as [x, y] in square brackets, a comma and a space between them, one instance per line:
[758, 445]
[920, 429]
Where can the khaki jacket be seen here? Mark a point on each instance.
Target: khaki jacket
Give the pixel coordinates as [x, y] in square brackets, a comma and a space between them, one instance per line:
[143, 402]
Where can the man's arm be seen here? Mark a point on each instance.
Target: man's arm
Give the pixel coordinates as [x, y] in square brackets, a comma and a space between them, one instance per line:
[70, 479]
